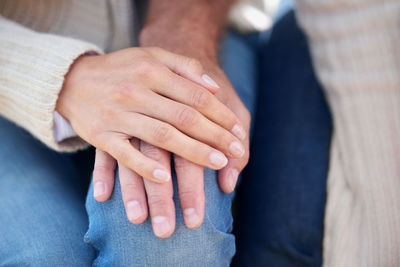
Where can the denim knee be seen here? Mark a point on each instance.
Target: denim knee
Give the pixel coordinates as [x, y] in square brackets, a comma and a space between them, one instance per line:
[121, 243]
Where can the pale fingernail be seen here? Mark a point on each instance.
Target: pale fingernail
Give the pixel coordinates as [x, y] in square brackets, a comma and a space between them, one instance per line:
[99, 189]
[218, 159]
[209, 81]
[191, 218]
[134, 210]
[232, 179]
[161, 175]
[239, 132]
[236, 149]
[160, 225]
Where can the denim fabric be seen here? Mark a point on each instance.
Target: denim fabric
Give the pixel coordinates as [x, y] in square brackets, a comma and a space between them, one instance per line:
[281, 198]
[42, 213]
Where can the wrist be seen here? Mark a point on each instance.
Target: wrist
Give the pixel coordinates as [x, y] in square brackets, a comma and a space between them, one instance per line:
[65, 101]
[191, 44]
[194, 34]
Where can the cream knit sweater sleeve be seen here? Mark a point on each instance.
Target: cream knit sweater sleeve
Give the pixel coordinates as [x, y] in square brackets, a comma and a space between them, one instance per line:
[356, 51]
[32, 69]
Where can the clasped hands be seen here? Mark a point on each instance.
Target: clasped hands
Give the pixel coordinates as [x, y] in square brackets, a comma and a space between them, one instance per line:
[138, 105]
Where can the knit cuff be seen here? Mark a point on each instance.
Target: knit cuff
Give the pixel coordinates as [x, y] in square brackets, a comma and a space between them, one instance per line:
[33, 66]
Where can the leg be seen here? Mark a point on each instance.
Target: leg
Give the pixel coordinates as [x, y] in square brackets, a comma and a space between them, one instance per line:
[282, 196]
[42, 218]
[121, 243]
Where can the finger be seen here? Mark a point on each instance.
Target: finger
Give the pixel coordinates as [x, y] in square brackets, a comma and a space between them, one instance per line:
[228, 176]
[193, 123]
[186, 67]
[103, 175]
[163, 135]
[121, 149]
[159, 196]
[191, 191]
[186, 92]
[133, 192]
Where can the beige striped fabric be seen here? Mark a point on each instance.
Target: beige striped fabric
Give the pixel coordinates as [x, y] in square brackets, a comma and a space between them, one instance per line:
[356, 52]
[39, 40]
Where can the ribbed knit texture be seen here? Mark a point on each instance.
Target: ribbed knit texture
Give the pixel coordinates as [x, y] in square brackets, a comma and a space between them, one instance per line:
[34, 59]
[356, 51]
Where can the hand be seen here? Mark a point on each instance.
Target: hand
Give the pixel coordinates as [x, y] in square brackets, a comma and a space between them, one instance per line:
[228, 176]
[190, 177]
[142, 92]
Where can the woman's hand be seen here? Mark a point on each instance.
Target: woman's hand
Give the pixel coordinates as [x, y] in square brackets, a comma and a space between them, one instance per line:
[149, 93]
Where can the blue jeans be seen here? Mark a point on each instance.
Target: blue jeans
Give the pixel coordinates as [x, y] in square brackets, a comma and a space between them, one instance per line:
[281, 198]
[43, 219]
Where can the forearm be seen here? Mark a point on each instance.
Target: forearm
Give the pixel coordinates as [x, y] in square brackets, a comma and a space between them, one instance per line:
[186, 26]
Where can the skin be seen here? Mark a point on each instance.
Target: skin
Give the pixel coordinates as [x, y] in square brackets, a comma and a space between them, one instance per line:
[135, 93]
[190, 28]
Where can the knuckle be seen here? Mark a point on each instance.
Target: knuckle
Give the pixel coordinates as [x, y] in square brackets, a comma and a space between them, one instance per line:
[189, 194]
[245, 159]
[180, 163]
[247, 115]
[201, 98]
[151, 152]
[222, 138]
[121, 155]
[157, 200]
[126, 92]
[129, 189]
[145, 69]
[121, 91]
[194, 65]
[162, 133]
[107, 113]
[186, 117]
[101, 171]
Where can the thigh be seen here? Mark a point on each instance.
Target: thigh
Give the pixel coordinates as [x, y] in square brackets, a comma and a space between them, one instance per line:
[282, 196]
[42, 219]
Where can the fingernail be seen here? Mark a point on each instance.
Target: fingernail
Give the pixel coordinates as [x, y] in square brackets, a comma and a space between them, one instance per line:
[99, 189]
[232, 179]
[209, 81]
[236, 149]
[239, 132]
[134, 210]
[160, 225]
[191, 218]
[218, 159]
[161, 175]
